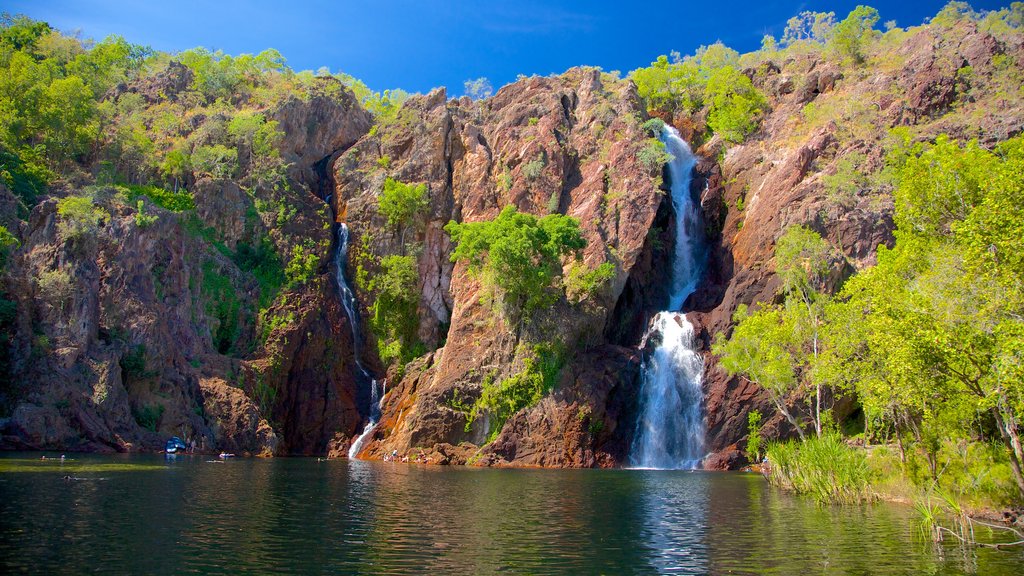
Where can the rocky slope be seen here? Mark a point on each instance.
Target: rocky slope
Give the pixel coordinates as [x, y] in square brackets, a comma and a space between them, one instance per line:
[823, 115]
[133, 332]
[583, 130]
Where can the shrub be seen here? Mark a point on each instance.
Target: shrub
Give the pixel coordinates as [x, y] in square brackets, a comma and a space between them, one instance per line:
[653, 127]
[582, 284]
[403, 204]
[141, 219]
[223, 306]
[849, 36]
[7, 243]
[80, 218]
[217, 161]
[735, 106]
[302, 267]
[55, 287]
[395, 318]
[533, 168]
[653, 155]
[503, 399]
[149, 416]
[754, 435]
[133, 363]
[824, 468]
[518, 254]
[263, 263]
[173, 201]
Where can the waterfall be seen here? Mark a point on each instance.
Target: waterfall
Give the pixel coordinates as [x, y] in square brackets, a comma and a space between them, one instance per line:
[348, 301]
[670, 430]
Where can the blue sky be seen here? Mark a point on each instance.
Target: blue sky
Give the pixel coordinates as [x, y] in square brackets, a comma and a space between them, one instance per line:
[417, 45]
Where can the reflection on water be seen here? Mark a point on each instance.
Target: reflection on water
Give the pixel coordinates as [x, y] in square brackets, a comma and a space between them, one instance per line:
[300, 516]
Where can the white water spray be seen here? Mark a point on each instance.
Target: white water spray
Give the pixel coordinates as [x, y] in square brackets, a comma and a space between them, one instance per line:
[670, 431]
[348, 301]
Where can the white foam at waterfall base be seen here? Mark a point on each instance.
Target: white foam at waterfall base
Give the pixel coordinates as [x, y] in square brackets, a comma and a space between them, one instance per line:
[670, 430]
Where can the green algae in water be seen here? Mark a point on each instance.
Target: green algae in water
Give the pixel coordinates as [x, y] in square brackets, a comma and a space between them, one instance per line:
[55, 466]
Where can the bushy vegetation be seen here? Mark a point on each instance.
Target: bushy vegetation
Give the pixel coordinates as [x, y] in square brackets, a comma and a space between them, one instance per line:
[709, 79]
[403, 205]
[223, 306]
[822, 467]
[502, 399]
[518, 255]
[394, 317]
[931, 339]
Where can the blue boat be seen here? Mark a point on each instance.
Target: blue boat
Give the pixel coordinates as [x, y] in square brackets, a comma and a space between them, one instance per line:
[174, 445]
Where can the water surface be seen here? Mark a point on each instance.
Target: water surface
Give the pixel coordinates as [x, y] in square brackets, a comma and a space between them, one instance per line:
[142, 514]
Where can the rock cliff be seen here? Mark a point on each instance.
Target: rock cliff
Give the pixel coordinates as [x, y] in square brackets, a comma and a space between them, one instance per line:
[160, 322]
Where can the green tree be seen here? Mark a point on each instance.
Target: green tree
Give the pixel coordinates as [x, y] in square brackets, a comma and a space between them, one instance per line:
[80, 218]
[803, 261]
[764, 350]
[403, 205]
[940, 316]
[735, 105]
[519, 255]
[395, 306]
[478, 88]
[851, 35]
[217, 161]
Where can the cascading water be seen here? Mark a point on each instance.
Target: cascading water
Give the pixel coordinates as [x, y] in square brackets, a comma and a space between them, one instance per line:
[670, 431]
[348, 301]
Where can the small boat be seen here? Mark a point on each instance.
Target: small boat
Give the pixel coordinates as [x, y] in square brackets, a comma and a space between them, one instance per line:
[174, 445]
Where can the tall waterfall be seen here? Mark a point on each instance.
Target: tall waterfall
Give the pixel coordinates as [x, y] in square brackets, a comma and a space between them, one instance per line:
[670, 431]
[348, 300]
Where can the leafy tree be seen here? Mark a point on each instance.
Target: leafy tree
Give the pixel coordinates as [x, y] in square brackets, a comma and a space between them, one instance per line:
[583, 283]
[303, 265]
[403, 204]
[735, 105]
[176, 165]
[21, 32]
[8, 242]
[809, 26]
[80, 218]
[939, 319]
[653, 156]
[803, 261]
[849, 36]
[519, 255]
[764, 350]
[217, 161]
[396, 299]
[259, 139]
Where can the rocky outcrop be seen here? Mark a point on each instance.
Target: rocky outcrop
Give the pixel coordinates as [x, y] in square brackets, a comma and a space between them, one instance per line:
[820, 116]
[565, 144]
[147, 324]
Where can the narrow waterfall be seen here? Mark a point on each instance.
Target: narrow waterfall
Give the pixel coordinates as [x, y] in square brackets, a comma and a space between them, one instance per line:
[670, 430]
[348, 301]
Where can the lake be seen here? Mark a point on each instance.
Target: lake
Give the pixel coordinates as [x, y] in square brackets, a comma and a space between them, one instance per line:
[144, 514]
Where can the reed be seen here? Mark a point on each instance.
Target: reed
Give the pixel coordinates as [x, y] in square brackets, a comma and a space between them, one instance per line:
[824, 468]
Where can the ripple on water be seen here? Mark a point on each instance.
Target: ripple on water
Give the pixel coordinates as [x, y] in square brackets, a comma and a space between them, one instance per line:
[297, 516]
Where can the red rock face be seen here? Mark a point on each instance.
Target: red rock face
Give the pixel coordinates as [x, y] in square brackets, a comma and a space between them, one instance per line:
[472, 156]
[84, 380]
[565, 144]
[779, 173]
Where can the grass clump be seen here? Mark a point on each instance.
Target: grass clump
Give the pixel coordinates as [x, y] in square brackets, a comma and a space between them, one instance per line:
[824, 468]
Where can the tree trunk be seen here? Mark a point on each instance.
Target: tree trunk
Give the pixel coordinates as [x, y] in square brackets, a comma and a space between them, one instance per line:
[1009, 440]
[780, 405]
